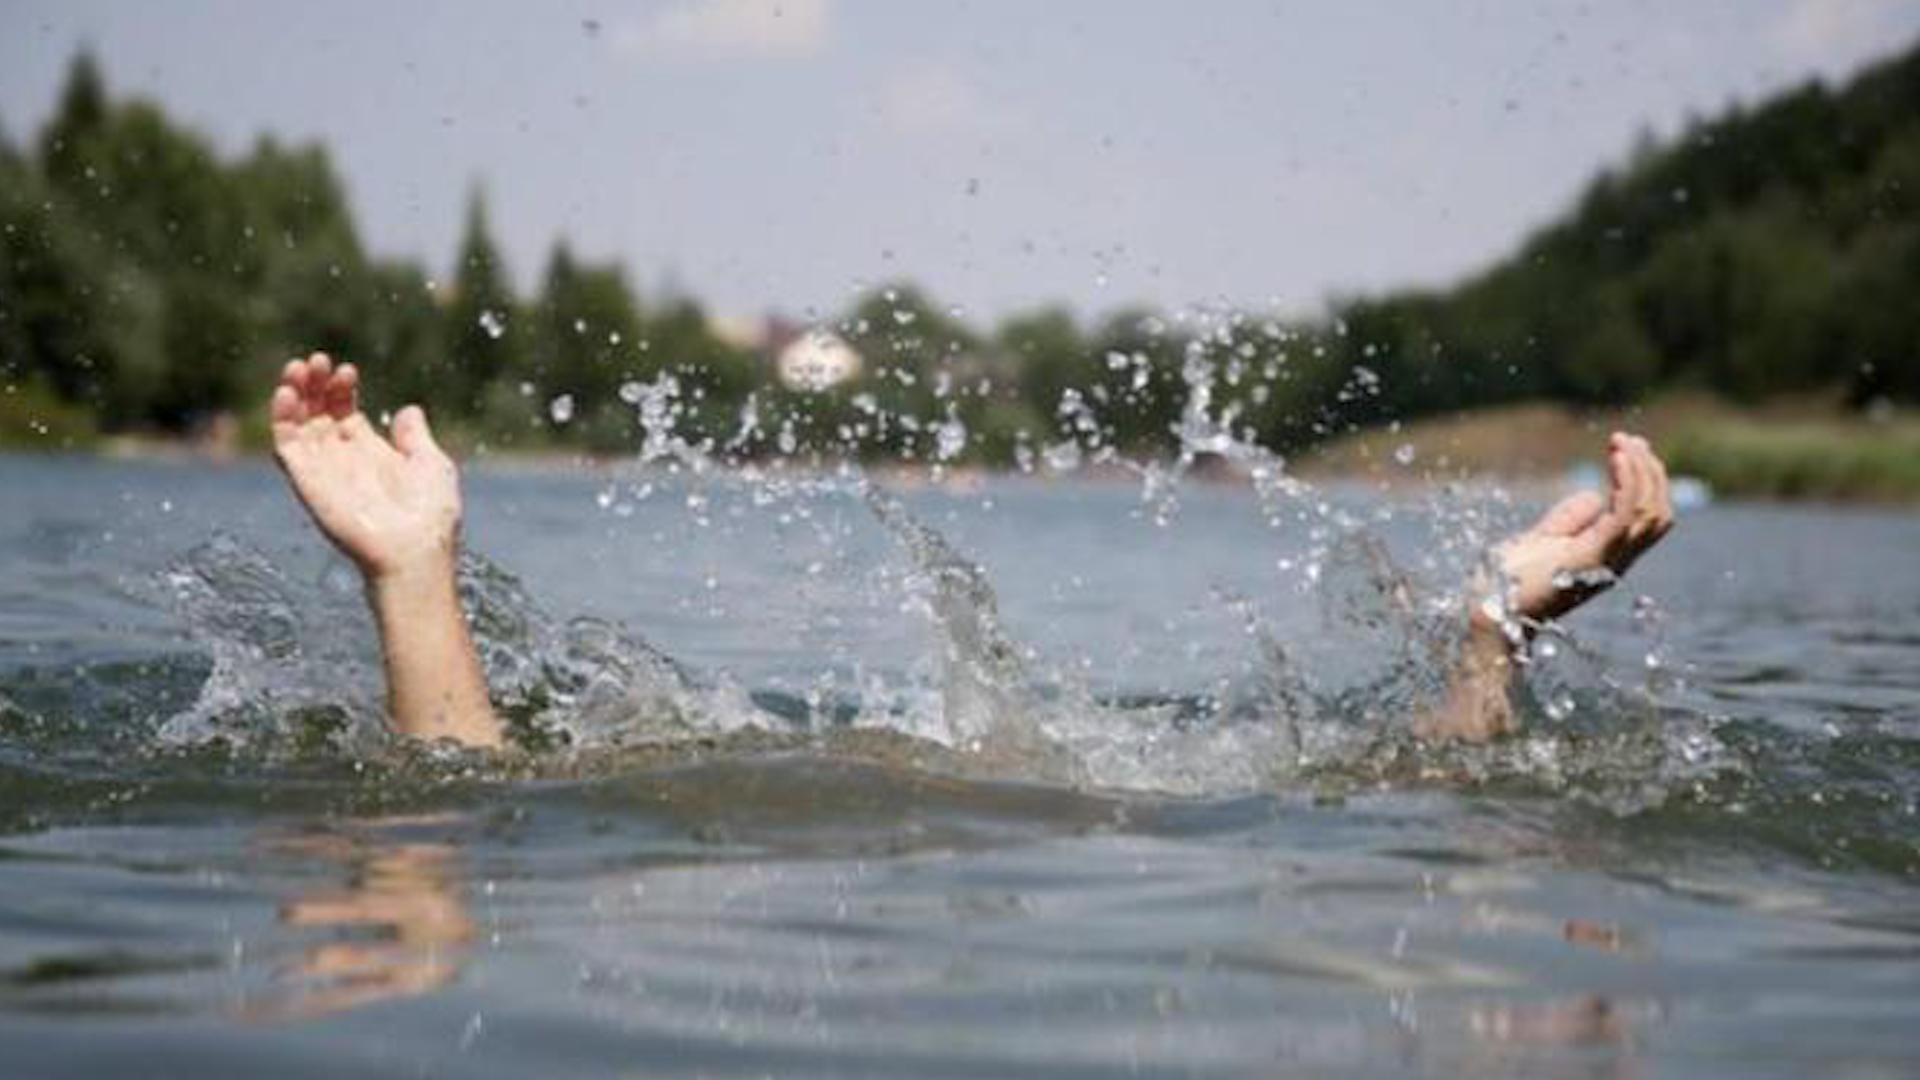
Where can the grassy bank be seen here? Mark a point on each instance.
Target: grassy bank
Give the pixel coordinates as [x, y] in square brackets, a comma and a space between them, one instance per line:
[1800, 450]
[1807, 459]
[1796, 451]
[32, 418]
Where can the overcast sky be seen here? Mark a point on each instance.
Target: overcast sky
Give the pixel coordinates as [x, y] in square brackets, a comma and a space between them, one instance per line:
[780, 153]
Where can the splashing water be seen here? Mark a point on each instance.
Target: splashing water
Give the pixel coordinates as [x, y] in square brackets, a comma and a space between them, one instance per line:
[295, 663]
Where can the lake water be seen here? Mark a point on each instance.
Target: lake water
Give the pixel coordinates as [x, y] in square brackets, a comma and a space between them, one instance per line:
[806, 805]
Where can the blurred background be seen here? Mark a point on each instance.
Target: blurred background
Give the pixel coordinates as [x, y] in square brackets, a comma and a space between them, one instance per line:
[985, 233]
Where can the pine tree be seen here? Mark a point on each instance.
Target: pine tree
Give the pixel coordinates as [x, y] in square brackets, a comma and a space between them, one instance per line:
[78, 120]
[483, 333]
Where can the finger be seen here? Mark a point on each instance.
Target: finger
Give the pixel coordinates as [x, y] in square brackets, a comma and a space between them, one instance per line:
[1662, 491]
[285, 411]
[1572, 514]
[1633, 480]
[319, 370]
[411, 434]
[1620, 496]
[1645, 511]
[294, 375]
[1640, 525]
[343, 392]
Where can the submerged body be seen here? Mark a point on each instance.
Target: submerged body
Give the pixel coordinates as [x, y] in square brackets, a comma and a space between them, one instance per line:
[392, 505]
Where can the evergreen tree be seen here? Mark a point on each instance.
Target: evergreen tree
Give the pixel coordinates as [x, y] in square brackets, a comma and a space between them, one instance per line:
[403, 355]
[589, 340]
[484, 339]
[78, 119]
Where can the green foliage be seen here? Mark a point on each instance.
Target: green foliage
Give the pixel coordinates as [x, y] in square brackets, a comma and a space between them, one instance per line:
[484, 335]
[146, 283]
[588, 340]
[34, 418]
[1805, 460]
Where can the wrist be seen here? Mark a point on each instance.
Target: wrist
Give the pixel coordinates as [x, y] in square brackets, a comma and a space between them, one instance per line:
[429, 578]
[1493, 635]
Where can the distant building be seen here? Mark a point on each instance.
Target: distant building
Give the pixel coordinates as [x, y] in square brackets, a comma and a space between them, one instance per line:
[802, 357]
[741, 331]
[816, 360]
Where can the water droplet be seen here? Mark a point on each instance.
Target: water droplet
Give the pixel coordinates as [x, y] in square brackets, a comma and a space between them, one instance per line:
[951, 438]
[1063, 456]
[476, 1026]
[491, 322]
[1405, 454]
[561, 408]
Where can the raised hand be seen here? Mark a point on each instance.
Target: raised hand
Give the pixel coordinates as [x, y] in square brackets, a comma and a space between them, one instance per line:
[1581, 546]
[392, 507]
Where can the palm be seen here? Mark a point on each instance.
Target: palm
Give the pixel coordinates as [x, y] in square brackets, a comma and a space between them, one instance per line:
[389, 506]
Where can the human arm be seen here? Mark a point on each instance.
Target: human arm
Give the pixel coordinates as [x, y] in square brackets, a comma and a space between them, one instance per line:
[1576, 551]
[394, 509]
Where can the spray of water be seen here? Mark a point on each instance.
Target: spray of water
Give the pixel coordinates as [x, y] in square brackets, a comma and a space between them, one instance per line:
[293, 660]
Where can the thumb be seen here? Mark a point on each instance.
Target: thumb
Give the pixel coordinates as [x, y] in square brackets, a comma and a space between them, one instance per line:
[411, 435]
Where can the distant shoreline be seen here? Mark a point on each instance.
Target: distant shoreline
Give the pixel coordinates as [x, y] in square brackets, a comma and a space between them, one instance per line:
[1800, 451]
[1790, 453]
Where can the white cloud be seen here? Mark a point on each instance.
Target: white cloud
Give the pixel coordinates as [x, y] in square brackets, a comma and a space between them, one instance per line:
[934, 99]
[730, 29]
[1833, 36]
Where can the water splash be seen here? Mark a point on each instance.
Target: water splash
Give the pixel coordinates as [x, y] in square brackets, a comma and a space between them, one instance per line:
[989, 702]
[1336, 704]
[291, 662]
[295, 663]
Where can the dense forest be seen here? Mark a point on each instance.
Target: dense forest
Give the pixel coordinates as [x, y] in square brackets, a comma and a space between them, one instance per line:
[147, 284]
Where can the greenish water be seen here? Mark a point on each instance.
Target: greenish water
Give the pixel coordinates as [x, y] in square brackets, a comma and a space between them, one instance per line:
[1010, 783]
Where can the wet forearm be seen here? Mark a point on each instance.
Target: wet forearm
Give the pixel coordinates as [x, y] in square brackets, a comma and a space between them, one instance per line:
[435, 688]
[1478, 704]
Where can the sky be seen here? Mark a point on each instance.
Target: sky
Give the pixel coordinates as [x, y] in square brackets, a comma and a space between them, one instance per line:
[786, 154]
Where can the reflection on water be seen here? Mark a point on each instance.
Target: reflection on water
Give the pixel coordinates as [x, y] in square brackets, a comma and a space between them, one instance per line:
[715, 918]
[1588, 1035]
[1578, 1035]
[389, 920]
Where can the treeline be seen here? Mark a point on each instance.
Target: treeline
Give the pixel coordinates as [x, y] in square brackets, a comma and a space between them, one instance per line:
[147, 284]
[153, 285]
[1771, 251]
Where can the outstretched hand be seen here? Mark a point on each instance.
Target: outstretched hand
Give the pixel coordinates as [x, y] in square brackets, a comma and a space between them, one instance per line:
[1582, 545]
[1576, 550]
[392, 507]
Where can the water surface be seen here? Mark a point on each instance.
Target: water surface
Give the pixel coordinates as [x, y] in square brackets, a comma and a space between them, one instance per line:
[1016, 782]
